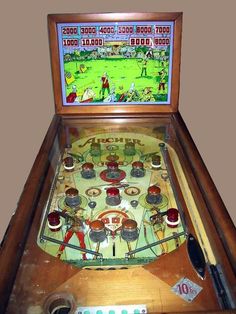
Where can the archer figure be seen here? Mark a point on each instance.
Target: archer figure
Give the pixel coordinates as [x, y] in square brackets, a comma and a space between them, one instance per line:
[76, 227]
[105, 84]
[144, 67]
[162, 82]
[132, 94]
[156, 221]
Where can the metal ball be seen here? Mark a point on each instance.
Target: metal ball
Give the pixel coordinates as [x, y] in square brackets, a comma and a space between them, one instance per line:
[92, 204]
[134, 203]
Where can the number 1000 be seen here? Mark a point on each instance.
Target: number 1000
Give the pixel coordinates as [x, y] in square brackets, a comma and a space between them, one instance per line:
[70, 42]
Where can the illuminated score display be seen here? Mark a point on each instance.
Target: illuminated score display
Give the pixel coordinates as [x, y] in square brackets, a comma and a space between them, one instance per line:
[70, 30]
[88, 30]
[135, 41]
[144, 29]
[70, 42]
[125, 29]
[140, 41]
[92, 42]
[162, 41]
[106, 30]
[162, 30]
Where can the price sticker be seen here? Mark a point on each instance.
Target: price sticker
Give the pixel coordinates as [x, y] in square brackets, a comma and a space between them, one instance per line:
[186, 289]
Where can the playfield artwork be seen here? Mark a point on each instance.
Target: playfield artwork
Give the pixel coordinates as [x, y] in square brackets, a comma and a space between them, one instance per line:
[115, 62]
[112, 203]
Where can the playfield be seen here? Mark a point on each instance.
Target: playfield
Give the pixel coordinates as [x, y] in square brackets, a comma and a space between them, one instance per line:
[124, 198]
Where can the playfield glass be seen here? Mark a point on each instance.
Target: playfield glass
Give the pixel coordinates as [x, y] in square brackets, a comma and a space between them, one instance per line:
[113, 202]
[116, 62]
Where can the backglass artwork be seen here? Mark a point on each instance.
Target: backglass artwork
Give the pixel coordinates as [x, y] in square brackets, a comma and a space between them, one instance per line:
[116, 62]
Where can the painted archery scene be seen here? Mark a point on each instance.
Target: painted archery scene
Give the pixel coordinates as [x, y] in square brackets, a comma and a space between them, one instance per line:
[113, 203]
[112, 63]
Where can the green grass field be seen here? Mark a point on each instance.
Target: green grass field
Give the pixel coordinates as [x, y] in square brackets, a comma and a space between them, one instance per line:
[121, 73]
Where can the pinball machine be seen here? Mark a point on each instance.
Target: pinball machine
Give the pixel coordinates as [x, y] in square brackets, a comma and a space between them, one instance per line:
[119, 213]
